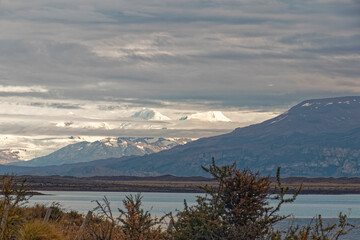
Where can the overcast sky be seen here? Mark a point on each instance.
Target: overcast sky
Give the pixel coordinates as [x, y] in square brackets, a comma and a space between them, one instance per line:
[84, 67]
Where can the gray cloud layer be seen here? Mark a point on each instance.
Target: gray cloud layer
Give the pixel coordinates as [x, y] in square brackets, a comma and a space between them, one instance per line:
[237, 52]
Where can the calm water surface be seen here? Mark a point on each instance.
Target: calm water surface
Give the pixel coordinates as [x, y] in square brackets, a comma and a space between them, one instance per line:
[305, 206]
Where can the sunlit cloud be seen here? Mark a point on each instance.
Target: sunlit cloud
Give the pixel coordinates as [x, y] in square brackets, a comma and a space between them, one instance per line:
[23, 89]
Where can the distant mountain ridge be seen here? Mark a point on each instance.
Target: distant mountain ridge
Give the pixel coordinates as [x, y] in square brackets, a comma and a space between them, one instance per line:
[105, 148]
[312, 117]
[316, 138]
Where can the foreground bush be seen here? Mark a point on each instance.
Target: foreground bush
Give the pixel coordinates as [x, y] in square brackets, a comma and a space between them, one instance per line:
[13, 195]
[317, 230]
[238, 208]
[133, 223]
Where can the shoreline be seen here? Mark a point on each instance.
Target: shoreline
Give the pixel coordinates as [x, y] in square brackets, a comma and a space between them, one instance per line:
[38, 192]
[321, 186]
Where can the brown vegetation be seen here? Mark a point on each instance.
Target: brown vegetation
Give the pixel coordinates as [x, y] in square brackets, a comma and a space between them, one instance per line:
[170, 183]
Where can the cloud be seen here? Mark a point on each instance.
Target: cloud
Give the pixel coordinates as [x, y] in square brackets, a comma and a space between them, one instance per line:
[179, 52]
[23, 89]
[56, 105]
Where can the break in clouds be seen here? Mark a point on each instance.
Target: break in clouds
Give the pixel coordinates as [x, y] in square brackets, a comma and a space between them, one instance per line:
[86, 67]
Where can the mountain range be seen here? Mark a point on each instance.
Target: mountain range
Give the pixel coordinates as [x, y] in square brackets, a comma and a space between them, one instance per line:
[105, 148]
[316, 138]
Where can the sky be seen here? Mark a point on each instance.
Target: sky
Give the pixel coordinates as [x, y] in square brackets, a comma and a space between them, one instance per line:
[84, 68]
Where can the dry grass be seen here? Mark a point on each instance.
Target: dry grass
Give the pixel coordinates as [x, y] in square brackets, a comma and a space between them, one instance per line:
[178, 184]
[36, 230]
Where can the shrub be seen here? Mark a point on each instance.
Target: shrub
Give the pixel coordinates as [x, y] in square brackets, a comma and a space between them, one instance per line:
[317, 230]
[238, 208]
[136, 223]
[133, 223]
[14, 194]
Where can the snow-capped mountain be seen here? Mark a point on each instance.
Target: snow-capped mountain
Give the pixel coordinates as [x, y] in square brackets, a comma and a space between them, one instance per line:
[150, 114]
[313, 117]
[105, 148]
[212, 116]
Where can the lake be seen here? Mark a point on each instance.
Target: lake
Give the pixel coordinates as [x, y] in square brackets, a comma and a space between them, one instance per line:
[305, 206]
